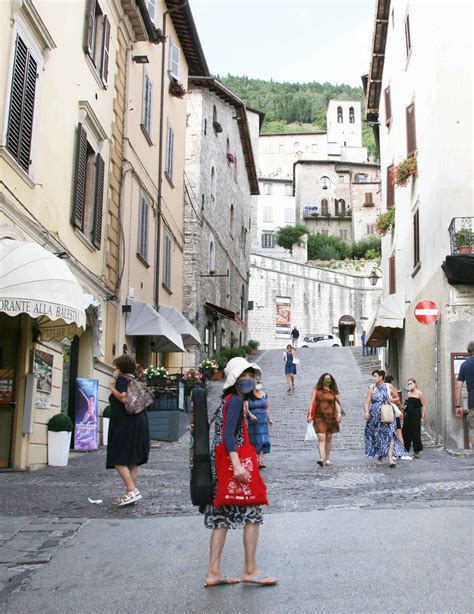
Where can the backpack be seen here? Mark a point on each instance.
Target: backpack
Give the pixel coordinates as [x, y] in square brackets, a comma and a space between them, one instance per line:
[138, 397]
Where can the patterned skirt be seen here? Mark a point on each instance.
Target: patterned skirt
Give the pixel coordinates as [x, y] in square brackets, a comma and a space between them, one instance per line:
[228, 516]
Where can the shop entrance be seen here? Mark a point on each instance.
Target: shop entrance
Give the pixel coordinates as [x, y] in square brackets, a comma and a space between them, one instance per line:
[9, 341]
[347, 326]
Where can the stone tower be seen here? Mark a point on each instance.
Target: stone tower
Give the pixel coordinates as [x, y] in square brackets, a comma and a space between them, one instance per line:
[344, 123]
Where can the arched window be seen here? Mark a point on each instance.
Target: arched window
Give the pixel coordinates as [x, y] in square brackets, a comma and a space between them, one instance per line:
[342, 206]
[213, 183]
[214, 114]
[242, 303]
[228, 283]
[245, 240]
[324, 207]
[340, 117]
[205, 126]
[242, 237]
[227, 147]
[212, 258]
[296, 146]
[325, 183]
[351, 115]
[231, 223]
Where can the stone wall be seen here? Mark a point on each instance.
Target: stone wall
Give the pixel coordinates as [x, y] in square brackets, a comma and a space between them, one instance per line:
[208, 220]
[318, 299]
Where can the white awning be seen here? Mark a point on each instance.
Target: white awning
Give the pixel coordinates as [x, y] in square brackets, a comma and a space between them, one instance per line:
[188, 332]
[36, 282]
[144, 321]
[390, 314]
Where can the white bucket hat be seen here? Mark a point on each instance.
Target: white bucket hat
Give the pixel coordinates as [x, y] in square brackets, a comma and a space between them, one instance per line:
[234, 369]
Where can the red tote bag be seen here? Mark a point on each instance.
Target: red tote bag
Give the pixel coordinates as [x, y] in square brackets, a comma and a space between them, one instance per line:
[229, 490]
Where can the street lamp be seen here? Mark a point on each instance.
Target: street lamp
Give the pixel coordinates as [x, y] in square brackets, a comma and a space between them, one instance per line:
[373, 277]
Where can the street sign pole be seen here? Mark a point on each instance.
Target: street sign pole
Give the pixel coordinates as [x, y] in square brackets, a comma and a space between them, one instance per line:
[437, 383]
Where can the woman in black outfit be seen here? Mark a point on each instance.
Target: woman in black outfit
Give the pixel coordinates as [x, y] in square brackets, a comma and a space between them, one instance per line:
[415, 415]
[129, 438]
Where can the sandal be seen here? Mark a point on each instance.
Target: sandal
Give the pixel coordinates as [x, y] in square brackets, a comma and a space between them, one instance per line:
[328, 463]
[262, 580]
[321, 463]
[129, 498]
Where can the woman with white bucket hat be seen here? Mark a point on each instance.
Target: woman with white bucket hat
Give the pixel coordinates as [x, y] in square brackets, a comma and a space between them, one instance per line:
[239, 383]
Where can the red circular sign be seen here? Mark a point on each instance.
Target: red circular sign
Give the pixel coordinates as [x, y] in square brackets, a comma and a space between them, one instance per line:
[426, 312]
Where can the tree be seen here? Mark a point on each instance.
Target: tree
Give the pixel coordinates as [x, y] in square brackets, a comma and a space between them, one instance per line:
[287, 236]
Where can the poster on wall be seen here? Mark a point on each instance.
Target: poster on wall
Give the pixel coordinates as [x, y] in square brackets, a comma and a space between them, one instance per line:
[283, 316]
[86, 432]
[43, 370]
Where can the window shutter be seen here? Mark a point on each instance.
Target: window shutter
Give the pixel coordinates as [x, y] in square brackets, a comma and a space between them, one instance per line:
[416, 238]
[104, 62]
[22, 105]
[89, 43]
[98, 200]
[388, 107]
[147, 118]
[368, 198]
[390, 188]
[143, 229]
[411, 130]
[80, 178]
[407, 35]
[391, 275]
[174, 61]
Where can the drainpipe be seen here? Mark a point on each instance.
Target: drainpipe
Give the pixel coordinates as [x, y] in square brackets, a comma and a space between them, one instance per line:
[160, 158]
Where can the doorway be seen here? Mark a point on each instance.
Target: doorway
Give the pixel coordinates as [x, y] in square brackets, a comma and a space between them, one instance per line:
[347, 326]
[9, 342]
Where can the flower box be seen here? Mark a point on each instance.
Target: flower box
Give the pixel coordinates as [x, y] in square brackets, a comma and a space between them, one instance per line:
[217, 126]
[177, 90]
[404, 171]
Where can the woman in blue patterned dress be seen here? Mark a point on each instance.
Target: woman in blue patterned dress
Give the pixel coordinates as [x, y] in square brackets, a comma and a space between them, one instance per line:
[290, 367]
[381, 440]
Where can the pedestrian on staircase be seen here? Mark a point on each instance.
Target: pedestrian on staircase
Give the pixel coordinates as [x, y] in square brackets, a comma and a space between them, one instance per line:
[381, 440]
[295, 335]
[390, 380]
[259, 419]
[325, 412]
[290, 366]
[415, 415]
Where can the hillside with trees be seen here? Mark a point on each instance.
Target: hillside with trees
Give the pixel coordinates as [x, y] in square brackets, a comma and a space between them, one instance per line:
[295, 107]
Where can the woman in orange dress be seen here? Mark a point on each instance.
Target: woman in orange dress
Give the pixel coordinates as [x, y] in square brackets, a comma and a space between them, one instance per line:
[325, 412]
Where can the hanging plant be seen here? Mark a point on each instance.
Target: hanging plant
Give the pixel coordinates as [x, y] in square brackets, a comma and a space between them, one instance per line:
[385, 222]
[176, 89]
[231, 158]
[403, 172]
[217, 126]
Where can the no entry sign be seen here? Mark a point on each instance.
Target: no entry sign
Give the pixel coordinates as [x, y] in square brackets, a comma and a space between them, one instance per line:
[426, 312]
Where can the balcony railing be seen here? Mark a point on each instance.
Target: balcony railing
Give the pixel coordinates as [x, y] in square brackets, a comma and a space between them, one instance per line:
[461, 235]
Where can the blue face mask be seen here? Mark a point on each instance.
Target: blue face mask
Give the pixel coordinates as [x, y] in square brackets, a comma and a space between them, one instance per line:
[245, 385]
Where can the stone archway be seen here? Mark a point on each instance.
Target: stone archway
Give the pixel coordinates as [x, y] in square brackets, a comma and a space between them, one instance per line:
[347, 326]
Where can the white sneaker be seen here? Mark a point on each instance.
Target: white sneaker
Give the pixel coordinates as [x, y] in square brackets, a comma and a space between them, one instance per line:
[406, 457]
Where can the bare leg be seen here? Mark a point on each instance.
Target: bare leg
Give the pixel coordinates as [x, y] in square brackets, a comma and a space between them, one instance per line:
[400, 436]
[260, 457]
[328, 446]
[124, 473]
[214, 573]
[251, 570]
[288, 382]
[293, 381]
[322, 446]
[134, 473]
[390, 452]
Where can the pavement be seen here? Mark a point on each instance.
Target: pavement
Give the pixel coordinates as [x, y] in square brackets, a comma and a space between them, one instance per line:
[340, 538]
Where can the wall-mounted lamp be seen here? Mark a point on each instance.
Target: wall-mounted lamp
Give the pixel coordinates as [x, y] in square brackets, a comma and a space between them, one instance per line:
[62, 255]
[140, 59]
[373, 277]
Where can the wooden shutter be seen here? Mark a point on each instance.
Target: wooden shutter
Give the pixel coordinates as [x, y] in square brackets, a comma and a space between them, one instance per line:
[388, 107]
[391, 275]
[143, 229]
[416, 238]
[174, 61]
[147, 90]
[170, 152]
[411, 129]
[104, 61]
[80, 178]
[22, 105]
[98, 200]
[368, 198]
[390, 188]
[90, 28]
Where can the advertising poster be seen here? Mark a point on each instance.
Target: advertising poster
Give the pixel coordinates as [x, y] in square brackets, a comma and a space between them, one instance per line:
[283, 316]
[43, 369]
[86, 433]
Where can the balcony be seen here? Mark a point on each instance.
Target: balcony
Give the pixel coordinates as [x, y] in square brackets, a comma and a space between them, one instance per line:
[459, 264]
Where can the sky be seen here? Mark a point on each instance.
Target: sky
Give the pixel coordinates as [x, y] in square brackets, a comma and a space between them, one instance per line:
[287, 40]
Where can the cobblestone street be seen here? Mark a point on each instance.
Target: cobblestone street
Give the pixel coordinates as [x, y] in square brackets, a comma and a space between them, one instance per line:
[43, 510]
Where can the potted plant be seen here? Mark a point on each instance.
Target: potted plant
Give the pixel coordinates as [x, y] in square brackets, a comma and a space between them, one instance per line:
[59, 440]
[155, 373]
[385, 222]
[105, 424]
[217, 126]
[192, 379]
[463, 240]
[253, 346]
[208, 367]
[177, 89]
[403, 172]
[231, 158]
